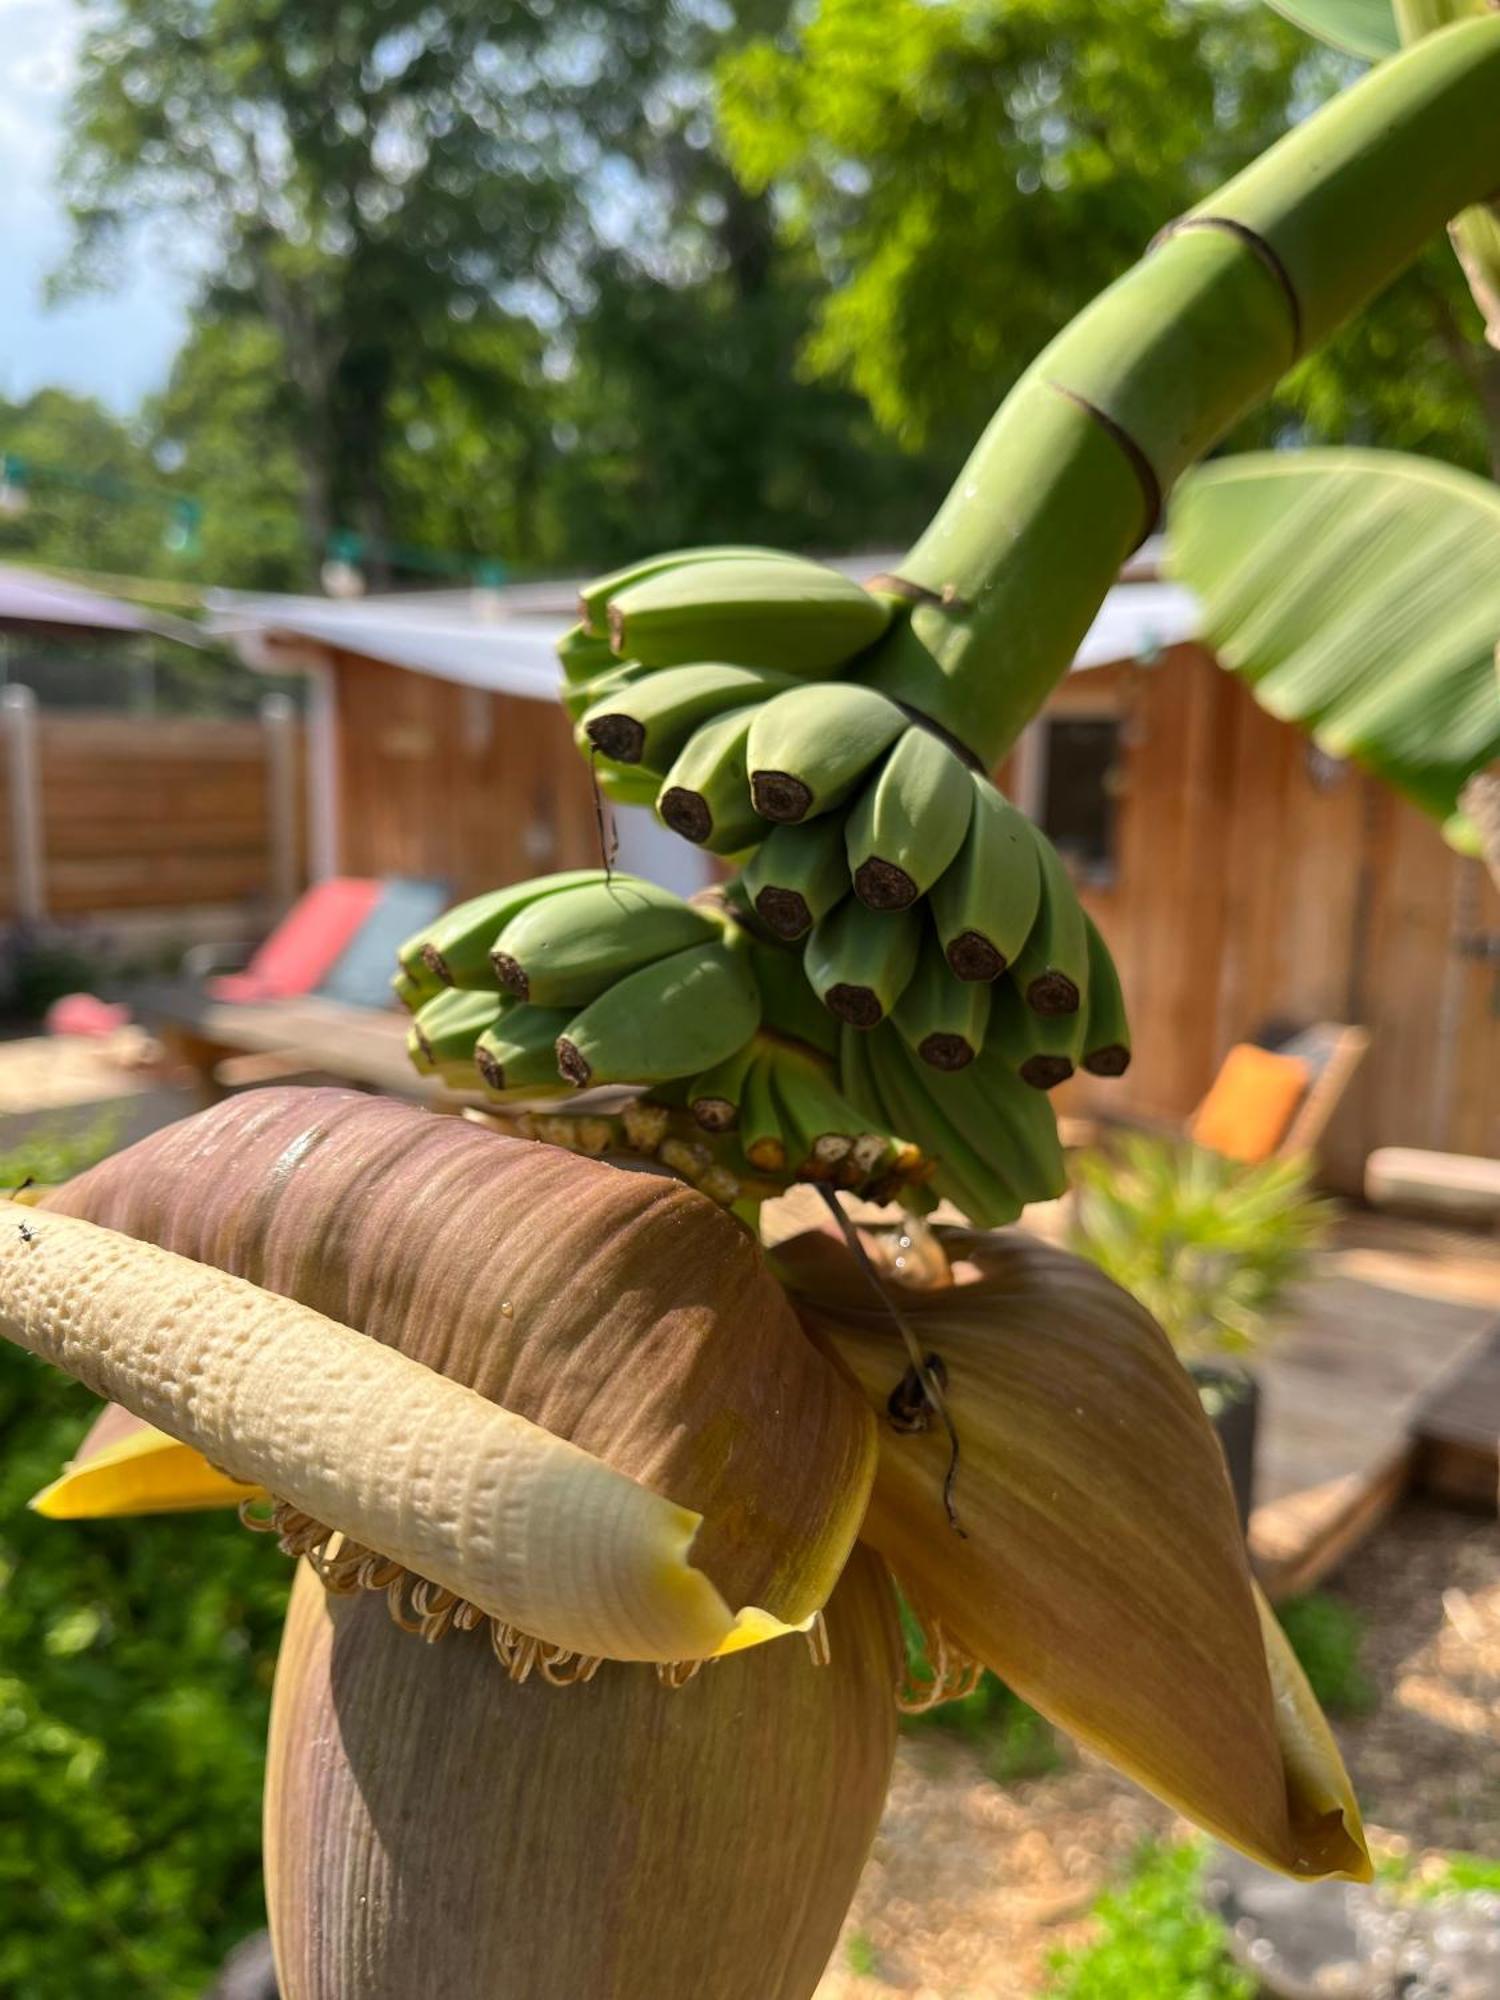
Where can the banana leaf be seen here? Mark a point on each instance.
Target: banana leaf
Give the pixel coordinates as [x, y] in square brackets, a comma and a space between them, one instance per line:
[1357, 593]
[1360, 27]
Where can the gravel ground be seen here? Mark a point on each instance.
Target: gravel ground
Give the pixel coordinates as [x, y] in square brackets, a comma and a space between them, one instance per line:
[973, 1885]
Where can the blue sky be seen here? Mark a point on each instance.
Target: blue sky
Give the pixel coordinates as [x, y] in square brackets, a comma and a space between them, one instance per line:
[117, 346]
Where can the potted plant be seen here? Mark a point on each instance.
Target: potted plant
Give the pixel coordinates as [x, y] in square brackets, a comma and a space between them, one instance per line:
[1212, 1247]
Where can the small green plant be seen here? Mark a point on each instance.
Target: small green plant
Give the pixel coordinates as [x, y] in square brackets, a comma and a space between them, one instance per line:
[53, 1153]
[861, 1956]
[1328, 1636]
[1156, 1940]
[1209, 1245]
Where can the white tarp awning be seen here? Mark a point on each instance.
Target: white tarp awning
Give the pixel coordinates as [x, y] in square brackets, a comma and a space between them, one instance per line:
[505, 641]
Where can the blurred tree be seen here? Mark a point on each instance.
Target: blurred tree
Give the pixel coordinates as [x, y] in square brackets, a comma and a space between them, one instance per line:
[82, 487]
[225, 427]
[968, 176]
[367, 176]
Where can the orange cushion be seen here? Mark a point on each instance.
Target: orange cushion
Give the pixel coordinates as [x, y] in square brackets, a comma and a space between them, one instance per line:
[1250, 1105]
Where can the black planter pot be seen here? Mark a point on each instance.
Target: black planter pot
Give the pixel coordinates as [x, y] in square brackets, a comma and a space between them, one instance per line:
[1231, 1397]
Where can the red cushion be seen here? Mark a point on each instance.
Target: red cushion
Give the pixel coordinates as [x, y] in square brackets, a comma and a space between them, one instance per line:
[304, 944]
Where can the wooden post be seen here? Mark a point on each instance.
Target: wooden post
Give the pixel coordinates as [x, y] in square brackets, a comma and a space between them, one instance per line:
[18, 713]
[278, 720]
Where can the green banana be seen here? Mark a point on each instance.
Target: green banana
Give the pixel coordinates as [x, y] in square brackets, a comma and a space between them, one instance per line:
[672, 1018]
[986, 900]
[1052, 967]
[1042, 1049]
[859, 960]
[441, 1038]
[455, 951]
[578, 697]
[714, 1097]
[761, 1138]
[781, 611]
[810, 747]
[796, 876]
[649, 721]
[1106, 1039]
[583, 654]
[706, 795]
[593, 599]
[1010, 1127]
[942, 1018]
[519, 1052]
[568, 949]
[909, 822]
[961, 1172]
[788, 1005]
[411, 990]
[623, 784]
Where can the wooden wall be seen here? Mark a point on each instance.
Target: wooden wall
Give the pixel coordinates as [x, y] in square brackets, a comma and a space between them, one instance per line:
[455, 782]
[1258, 882]
[151, 813]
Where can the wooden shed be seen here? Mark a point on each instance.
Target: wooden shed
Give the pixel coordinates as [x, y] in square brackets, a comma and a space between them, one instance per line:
[1243, 878]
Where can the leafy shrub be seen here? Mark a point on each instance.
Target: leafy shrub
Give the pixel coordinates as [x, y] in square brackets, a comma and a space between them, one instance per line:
[135, 1671]
[1210, 1246]
[1156, 1940]
[1328, 1636]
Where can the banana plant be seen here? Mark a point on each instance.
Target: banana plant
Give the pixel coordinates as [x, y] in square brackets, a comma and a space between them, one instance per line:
[644, 1496]
[645, 1493]
[1357, 593]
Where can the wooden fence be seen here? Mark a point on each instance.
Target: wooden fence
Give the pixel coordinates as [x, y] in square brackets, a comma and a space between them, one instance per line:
[104, 814]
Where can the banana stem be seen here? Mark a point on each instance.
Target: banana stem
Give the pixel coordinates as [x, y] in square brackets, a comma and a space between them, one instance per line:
[1073, 469]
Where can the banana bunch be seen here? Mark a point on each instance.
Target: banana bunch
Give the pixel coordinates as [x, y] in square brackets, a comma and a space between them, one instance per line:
[726, 679]
[547, 988]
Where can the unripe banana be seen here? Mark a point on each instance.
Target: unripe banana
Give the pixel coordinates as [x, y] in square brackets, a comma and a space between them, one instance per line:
[1052, 967]
[788, 1005]
[671, 1019]
[783, 612]
[809, 748]
[986, 901]
[624, 784]
[762, 1140]
[583, 655]
[566, 950]
[578, 697]
[942, 1018]
[649, 722]
[455, 951]
[1106, 1039]
[962, 1173]
[706, 796]
[714, 1097]
[519, 1052]
[444, 1030]
[410, 991]
[859, 960]
[1019, 1125]
[1041, 1048]
[909, 822]
[593, 599]
[796, 876]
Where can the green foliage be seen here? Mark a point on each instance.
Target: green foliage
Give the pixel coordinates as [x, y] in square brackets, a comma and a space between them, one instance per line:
[65, 519]
[1156, 1941]
[1208, 1245]
[1012, 1742]
[1327, 1636]
[135, 1670]
[861, 1956]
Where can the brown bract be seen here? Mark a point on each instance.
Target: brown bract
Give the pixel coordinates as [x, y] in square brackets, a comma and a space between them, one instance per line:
[432, 1828]
[1101, 1571]
[620, 1311]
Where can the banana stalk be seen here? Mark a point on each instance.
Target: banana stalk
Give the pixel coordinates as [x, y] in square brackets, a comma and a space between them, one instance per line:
[1073, 469]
